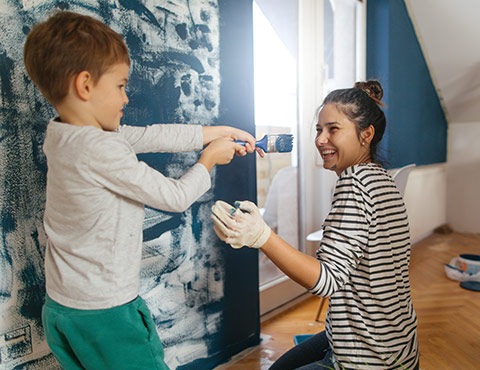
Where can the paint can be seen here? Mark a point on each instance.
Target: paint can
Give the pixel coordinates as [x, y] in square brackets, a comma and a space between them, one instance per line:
[470, 263]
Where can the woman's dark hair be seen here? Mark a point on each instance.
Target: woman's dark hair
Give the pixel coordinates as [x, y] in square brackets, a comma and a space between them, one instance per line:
[361, 104]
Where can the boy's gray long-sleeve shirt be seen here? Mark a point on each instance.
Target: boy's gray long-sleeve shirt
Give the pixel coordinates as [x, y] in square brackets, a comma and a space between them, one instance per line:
[94, 212]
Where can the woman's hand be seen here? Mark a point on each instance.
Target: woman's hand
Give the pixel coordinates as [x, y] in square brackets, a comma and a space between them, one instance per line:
[240, 225]
[243, 225]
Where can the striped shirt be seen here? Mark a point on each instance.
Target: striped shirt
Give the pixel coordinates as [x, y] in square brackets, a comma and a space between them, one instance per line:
[364, 257]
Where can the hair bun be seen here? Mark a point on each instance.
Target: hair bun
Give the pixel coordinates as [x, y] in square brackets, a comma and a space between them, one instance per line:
[373, 89]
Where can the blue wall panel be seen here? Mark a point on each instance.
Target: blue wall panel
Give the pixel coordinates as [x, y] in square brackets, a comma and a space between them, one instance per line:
[416, 124]
[242, 323]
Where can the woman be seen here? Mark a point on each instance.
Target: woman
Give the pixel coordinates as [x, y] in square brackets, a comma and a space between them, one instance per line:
[363, 260]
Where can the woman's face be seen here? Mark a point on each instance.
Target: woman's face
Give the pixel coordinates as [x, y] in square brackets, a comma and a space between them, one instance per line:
[338, 141]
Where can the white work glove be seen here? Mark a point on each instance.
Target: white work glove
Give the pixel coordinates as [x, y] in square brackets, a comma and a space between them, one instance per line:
[240, 225]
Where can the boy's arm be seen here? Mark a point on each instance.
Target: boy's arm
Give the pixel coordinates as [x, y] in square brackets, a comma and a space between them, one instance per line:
[211, 133]
[175, 138]
[112, 165]
[171, 138]
[116, 168]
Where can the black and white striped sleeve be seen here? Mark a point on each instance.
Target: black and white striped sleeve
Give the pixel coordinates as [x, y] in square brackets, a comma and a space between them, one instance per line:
[345, 235]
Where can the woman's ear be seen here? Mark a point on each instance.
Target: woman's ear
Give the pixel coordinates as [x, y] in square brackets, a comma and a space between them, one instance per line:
[83, 84]
[367, 134]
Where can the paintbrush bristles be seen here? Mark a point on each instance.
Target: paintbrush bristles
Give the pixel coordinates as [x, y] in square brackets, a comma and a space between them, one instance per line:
[281, 143]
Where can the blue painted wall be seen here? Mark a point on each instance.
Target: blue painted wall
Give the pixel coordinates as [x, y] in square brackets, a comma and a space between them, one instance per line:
[416, 124]
[191, 63]
[242, 317]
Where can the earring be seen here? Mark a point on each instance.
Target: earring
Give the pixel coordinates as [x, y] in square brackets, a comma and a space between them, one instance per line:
[363, 142]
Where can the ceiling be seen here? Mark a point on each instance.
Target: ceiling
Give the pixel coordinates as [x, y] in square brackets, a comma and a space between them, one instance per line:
[449, 34]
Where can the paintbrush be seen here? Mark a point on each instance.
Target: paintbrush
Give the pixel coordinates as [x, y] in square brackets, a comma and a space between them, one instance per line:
[280, 143]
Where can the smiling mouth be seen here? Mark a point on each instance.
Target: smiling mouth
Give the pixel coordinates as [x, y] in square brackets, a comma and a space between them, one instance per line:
[327, 153]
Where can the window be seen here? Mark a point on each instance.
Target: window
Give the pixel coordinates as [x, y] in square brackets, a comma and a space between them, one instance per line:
[275, 113]
[302, 50]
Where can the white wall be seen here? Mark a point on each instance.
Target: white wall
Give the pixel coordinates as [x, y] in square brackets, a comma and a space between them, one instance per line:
[426, 200]
[463, 181]
[448, 193]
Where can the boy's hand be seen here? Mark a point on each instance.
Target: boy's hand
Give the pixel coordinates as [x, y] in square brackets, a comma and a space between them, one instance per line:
[219, 151]
[237, 134]
[211, 133]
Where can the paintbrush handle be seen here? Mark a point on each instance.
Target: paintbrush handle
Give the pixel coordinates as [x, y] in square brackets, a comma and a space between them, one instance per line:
[262, 143]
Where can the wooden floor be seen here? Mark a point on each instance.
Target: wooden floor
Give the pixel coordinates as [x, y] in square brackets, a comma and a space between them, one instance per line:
[448, 316]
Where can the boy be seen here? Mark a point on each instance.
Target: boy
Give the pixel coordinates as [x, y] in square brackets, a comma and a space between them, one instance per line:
[96, 192]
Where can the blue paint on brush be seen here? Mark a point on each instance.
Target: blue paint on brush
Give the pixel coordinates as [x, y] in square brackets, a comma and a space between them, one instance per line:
[284, 143]
[281, 143]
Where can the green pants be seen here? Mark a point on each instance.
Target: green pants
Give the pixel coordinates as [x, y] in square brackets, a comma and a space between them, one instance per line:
[117, 338]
